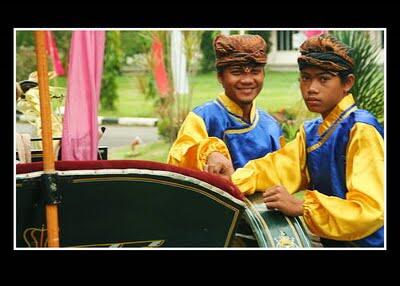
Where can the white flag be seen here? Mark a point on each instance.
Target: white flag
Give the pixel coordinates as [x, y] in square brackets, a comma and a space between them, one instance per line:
[178, 63]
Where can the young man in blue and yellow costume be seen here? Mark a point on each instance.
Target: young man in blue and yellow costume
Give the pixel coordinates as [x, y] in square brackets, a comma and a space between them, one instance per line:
[226, 133]
[337, 159]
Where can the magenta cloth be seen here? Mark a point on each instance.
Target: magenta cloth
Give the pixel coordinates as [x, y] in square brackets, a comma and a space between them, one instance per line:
[80, 129]
[52, 50]
[159, 71]
[312, 33]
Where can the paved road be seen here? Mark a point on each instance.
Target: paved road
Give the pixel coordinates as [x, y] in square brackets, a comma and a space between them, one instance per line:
[114, 136]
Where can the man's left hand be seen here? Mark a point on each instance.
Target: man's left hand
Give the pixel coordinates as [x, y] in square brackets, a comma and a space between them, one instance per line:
[219, 165]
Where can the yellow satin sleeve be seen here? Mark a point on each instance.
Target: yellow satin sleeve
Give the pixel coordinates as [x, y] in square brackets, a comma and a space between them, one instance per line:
[362, 212]
[192, 145]
[286, 166]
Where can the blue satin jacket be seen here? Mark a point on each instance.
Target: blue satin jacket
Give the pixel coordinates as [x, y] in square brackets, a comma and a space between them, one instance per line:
[245, 141]
[326, 162]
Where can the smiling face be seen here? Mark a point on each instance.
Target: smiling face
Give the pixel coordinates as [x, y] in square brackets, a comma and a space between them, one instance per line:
[322, 90]
[242, 83]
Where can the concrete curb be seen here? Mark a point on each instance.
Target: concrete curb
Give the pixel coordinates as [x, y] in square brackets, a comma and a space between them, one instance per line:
[126, 121]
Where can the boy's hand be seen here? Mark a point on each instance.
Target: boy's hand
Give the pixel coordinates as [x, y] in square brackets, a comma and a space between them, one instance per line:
[219, 165]
[278, 197]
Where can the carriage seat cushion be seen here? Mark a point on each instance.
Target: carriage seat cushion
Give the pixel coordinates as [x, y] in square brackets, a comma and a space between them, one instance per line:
[219, 182]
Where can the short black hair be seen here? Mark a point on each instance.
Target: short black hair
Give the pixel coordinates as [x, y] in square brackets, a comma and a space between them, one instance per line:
[221, 69]
[342, 74]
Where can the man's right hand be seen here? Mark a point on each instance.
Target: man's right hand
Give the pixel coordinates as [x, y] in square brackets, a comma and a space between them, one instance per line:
[219, 165]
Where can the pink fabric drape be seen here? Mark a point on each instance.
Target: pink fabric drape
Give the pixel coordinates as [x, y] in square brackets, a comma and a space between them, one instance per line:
[312, 33]
[80, 129]
[159, 71]
[52, 50]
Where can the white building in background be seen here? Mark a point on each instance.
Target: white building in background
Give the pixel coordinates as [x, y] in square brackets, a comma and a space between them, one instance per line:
[284, 49]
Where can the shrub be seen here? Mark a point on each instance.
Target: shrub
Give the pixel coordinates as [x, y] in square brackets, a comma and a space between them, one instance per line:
[26, 62]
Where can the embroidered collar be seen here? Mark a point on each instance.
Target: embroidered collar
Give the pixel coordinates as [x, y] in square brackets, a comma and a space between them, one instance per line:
[233, 108]
[343, 105]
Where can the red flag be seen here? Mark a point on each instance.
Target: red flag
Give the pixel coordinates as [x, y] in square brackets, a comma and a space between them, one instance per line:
[51, 49]
[159, 71]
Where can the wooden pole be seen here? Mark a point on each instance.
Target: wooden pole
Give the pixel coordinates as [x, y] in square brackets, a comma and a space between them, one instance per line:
[47, 136]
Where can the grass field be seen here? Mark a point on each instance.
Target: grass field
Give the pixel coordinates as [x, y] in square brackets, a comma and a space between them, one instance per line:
[156, 151]
[280, 91]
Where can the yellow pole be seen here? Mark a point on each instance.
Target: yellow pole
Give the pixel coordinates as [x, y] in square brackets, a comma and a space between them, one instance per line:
[47, 136]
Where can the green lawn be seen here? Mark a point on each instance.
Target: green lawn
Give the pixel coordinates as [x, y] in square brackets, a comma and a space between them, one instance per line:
[156, 151]
[131, 103]
[280, 91]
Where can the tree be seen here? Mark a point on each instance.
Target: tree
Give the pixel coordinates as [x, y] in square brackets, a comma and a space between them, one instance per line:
[112, 63]
[206, 45]
[26, 56]
[134, 42]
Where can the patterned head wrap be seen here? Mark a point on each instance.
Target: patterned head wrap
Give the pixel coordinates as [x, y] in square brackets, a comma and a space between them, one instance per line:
[239, 49]
[327, 53]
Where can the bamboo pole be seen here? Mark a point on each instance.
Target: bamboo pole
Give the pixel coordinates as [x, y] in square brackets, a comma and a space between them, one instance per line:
[47, 136]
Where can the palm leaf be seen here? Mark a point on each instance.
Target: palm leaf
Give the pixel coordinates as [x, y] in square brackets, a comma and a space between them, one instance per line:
[368, 90]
